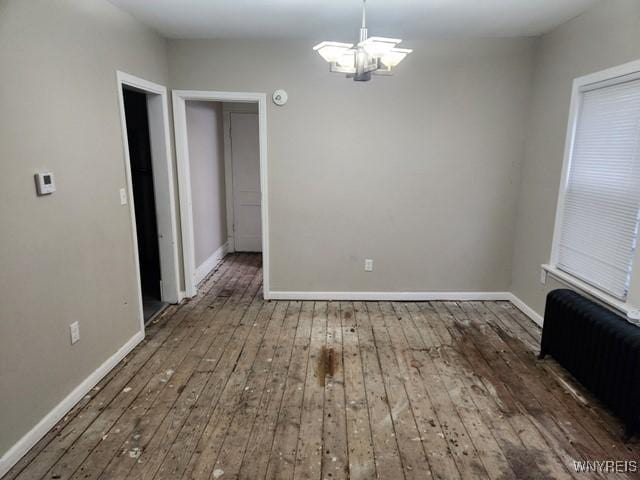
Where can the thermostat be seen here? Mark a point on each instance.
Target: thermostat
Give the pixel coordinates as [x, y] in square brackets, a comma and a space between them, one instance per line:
[45, 183]
[280, 97]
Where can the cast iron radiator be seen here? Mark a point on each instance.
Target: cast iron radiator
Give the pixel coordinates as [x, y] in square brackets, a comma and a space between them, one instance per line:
[599, 348]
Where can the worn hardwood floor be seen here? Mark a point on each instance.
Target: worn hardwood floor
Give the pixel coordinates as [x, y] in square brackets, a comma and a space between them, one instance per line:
[230, 386]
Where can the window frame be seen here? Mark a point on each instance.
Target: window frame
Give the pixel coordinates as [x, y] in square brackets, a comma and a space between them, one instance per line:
[611, 76]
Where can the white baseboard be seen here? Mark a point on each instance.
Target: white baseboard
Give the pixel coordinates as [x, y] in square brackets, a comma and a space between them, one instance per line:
[210, 263]
[526, 309]
[391, 296]
[410, 297]
[15, 453]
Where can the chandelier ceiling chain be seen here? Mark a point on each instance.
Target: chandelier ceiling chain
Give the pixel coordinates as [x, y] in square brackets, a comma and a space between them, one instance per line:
[372, 55]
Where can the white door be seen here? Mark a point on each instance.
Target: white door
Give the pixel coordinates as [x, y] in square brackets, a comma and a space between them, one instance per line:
[245, 160]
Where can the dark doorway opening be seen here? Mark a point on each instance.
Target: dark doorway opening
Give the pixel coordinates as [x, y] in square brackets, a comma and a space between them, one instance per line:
[137, 119]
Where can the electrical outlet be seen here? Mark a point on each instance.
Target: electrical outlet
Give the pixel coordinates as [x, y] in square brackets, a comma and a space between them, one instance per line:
[123, 196]
[74, 328]
[543, 276]
[368, 265]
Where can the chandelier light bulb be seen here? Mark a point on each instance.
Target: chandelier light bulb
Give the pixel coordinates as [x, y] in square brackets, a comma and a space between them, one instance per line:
[394, 56]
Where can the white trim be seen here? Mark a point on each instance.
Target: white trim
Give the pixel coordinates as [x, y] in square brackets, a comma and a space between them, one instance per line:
[228, 175]
[609, 76]
[574, 110]
[210, 263]
[393, 296]
[22, 446]
[527, 310]
[158, 106]
[596, 294]
[184, 193]
[184, 182]
[414, 297]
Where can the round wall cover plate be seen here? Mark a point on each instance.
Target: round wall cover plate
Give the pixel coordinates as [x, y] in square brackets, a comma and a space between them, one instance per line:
[280, 97]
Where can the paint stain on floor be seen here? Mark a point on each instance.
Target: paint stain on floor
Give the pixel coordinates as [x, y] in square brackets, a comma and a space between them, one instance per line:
[326, 365]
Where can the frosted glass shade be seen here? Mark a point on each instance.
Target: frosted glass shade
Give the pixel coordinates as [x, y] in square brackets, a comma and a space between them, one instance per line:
[347, 59]
[378, 46]
[394, 56]
[332, 51]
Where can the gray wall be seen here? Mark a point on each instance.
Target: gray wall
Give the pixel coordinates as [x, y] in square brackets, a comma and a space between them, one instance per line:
[206, 163]
[68, 256]
[418, 171]
[605, 36]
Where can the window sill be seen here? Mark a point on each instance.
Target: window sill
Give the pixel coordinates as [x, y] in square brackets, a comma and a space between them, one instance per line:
[627, 310]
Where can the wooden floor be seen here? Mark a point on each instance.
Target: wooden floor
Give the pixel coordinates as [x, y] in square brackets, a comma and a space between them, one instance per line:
[230, 386]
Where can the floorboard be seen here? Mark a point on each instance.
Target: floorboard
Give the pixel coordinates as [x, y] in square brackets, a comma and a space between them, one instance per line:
[228, 385]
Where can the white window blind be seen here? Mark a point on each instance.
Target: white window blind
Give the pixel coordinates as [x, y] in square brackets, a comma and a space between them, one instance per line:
[600, 208]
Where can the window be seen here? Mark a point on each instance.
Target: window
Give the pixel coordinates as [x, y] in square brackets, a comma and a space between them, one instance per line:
[598, 210]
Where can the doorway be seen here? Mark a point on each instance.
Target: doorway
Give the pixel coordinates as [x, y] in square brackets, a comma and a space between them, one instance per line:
[245, 178]
[137, 118]
[149, 193]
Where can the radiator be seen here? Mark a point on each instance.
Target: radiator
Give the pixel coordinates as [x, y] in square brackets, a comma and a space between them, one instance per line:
[599, 348]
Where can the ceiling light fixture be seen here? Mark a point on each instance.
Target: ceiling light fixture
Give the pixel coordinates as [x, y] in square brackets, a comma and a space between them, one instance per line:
[374, 55]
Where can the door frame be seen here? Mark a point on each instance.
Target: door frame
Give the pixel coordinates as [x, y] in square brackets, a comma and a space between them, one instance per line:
[163, 184]
[180, 97]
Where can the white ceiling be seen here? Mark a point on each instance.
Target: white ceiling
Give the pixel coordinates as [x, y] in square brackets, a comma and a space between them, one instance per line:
[340, 19]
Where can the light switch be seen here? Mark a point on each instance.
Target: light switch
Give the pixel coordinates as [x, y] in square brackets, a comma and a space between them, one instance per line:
[74, 329]
[123, 196]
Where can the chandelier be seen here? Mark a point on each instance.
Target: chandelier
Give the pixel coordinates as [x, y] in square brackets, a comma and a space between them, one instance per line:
[372, 55]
